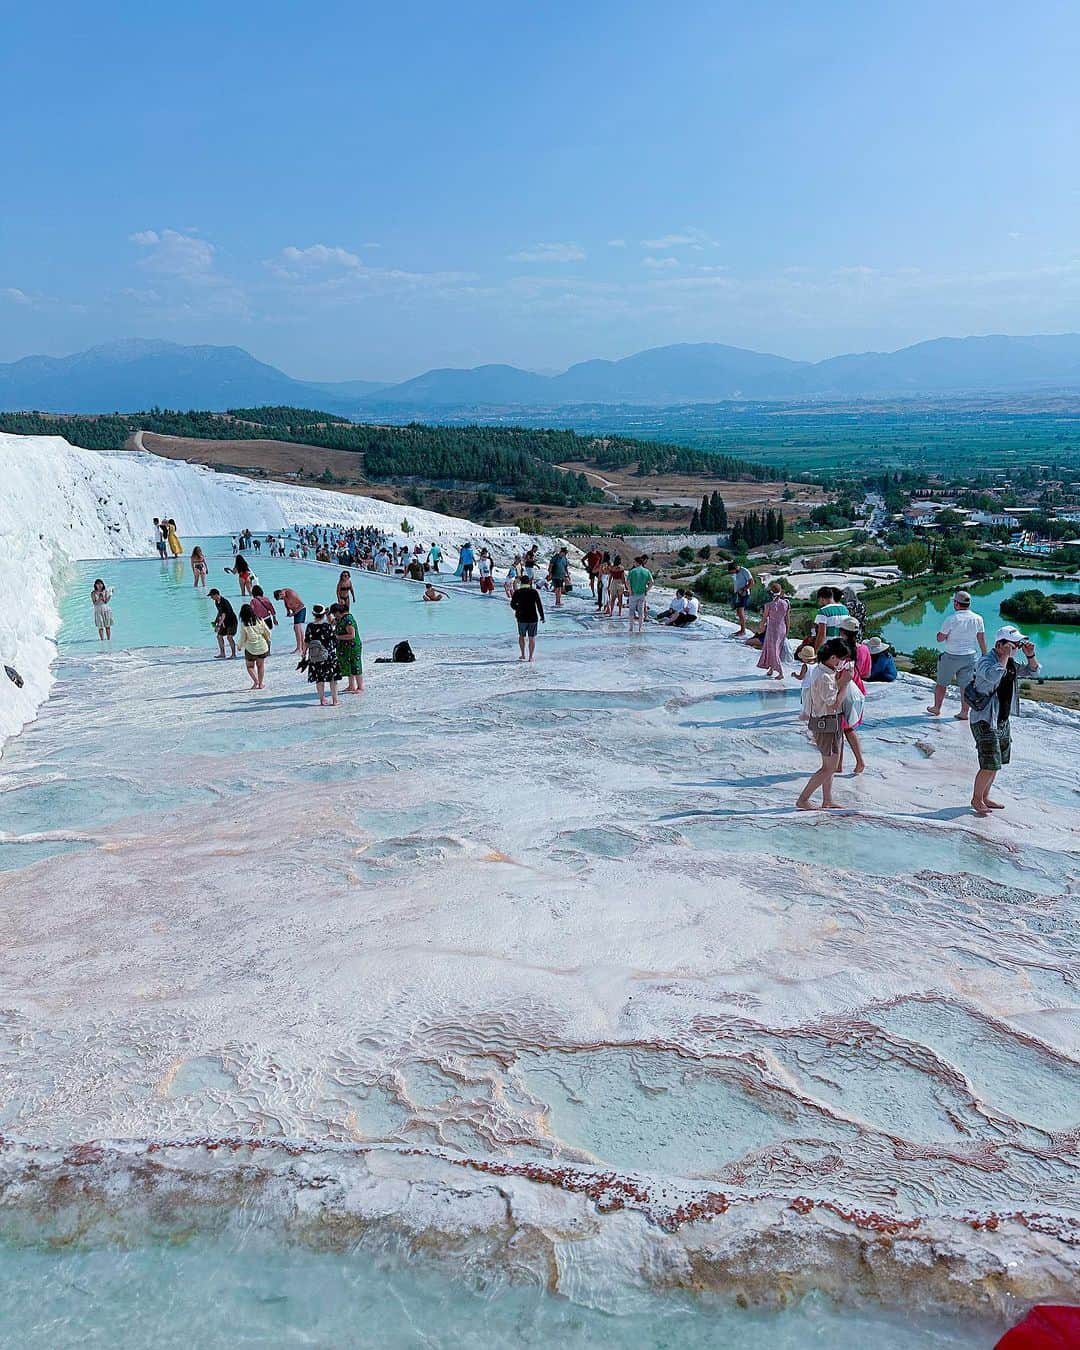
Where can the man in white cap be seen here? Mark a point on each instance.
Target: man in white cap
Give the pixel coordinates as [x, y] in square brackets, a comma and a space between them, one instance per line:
[964, 637]
[995, 693]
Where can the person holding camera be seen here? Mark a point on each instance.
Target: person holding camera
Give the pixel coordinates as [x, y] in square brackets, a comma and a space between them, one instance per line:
[993, 695]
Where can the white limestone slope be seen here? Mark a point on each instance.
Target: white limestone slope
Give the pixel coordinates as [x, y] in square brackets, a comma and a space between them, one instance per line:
[61, 503]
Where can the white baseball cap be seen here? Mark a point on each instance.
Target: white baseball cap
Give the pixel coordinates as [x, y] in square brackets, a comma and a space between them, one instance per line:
[1009, 634]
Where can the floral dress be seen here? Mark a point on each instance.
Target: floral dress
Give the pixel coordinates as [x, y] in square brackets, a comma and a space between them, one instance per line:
[327, 669]
[349, 654]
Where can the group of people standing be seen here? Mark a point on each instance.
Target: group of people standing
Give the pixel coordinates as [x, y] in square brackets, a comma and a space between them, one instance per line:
[166, 539]
[329, 644]
[837, 659]
[838, 663]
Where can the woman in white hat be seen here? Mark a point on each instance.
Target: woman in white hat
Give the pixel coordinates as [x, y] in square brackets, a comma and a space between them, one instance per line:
[882, 663]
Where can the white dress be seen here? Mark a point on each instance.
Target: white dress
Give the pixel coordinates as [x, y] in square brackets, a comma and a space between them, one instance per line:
[102, 612]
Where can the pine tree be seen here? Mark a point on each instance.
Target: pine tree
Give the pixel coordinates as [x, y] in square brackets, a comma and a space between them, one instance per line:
[695, 522]
[706, 514]
[716, 511]
[779, 527]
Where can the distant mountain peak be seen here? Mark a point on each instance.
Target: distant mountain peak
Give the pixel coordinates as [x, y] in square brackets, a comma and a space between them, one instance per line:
[136, 373]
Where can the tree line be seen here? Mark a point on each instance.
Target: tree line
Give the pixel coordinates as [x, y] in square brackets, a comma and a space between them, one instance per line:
[757, 527]
[710, 517]
[522, 461]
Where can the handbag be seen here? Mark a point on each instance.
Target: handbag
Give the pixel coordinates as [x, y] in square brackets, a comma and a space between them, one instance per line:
[975, 697]
[827, 723]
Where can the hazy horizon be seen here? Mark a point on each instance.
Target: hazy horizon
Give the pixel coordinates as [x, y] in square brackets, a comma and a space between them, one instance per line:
[547, 371]
[385, 193]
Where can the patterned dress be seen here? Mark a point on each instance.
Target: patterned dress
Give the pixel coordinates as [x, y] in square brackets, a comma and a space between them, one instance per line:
[350, 654]
[776, 626]
[328, 669]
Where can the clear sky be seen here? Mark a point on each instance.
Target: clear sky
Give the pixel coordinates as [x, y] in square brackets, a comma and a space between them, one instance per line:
[366, 191]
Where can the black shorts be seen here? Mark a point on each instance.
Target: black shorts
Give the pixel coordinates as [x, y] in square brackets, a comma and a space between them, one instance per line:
[527, 630]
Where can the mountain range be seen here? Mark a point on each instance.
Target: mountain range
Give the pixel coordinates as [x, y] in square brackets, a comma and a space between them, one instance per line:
[136, 373]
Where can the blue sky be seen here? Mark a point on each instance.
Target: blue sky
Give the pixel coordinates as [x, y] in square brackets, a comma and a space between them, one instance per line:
[360, 191]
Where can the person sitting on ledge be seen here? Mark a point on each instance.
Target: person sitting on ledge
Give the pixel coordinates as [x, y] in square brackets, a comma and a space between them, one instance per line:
[689, 615]
[882, 664]
[677, 607]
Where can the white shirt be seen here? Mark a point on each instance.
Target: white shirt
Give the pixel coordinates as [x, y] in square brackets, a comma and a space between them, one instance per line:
[961, 630]
[678, 604]
[692, 606]
[382, 563]
[483, 566]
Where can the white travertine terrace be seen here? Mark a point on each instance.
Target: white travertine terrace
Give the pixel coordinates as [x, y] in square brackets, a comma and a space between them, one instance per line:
[544, 961]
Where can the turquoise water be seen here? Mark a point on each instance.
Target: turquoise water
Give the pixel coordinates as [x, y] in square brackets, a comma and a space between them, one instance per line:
[155, 604]
[1058, 648]
[212, 1295]
[865, 846]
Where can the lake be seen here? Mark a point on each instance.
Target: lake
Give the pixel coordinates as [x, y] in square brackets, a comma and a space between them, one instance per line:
[1058, 648]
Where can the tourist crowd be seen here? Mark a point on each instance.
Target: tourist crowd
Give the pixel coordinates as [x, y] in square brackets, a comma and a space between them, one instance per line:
[835, 659]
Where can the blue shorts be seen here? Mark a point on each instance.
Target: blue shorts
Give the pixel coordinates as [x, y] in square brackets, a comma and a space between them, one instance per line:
[742, 599]
[527, 630]
[300, 616]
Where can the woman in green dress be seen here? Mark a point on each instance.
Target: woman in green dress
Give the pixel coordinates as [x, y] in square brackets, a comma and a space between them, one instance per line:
[349, 648]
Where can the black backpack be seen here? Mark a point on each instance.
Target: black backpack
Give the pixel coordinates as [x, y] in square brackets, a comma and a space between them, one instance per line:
[977, 700]
[403, 653]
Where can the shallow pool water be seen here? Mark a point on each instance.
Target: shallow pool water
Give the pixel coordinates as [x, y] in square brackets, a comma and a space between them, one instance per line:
[854, 843]
[15, 854]
[217, 1294]
[156, 605]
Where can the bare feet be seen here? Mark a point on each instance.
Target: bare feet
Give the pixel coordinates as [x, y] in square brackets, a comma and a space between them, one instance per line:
[995, 806]
[806, 806]
[934, 712]
[980, 808]
[960, 717]
[859, 768]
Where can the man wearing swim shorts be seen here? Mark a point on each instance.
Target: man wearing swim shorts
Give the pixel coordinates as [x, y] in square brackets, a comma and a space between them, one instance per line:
[297, 612]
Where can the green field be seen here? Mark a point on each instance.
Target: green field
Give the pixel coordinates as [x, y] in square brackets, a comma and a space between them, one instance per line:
[951, 437]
